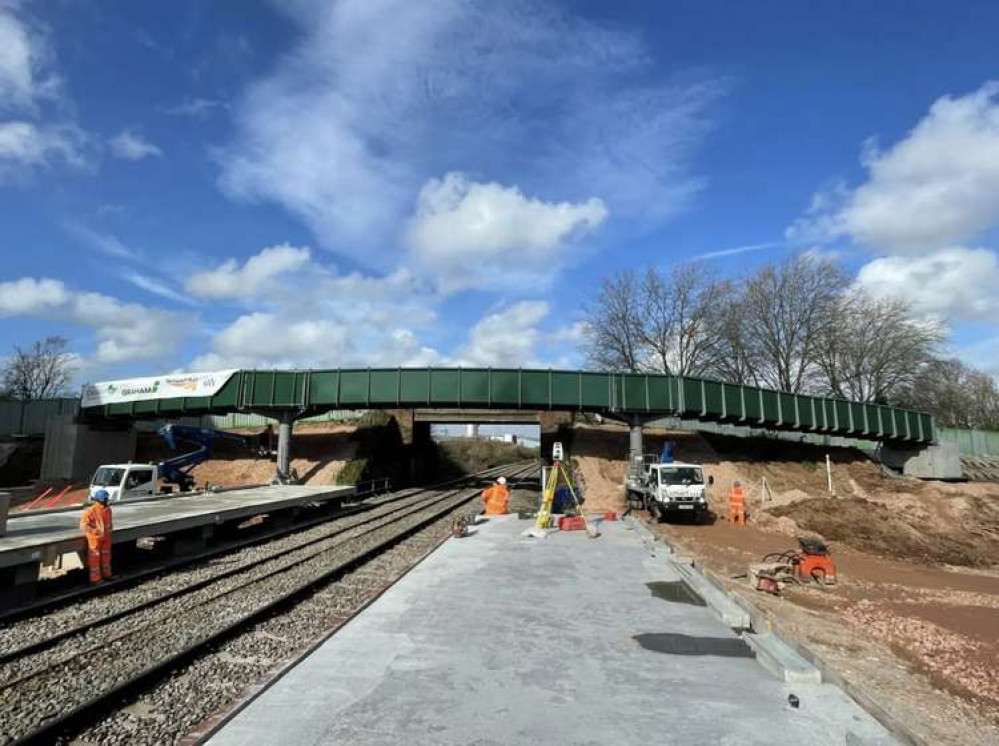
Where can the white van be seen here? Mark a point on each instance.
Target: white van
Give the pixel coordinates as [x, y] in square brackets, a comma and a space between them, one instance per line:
[125, 481]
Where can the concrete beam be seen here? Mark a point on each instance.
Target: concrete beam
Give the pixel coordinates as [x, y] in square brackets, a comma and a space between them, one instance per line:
[477, 416]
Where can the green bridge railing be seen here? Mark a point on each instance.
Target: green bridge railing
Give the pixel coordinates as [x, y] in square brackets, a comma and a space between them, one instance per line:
[311, 392]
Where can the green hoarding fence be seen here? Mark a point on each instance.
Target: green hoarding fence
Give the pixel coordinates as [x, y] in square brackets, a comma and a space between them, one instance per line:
[308, 393]
[971, 442]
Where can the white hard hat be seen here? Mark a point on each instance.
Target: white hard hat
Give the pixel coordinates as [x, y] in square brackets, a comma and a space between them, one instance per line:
[501, 480]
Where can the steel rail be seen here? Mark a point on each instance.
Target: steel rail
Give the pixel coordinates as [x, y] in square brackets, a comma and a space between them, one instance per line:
[440, 506]
[338, 526]
[251, 567]
[51, 603]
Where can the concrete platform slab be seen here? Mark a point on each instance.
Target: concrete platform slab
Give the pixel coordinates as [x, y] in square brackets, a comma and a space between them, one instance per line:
[497, 639]
[30, 536]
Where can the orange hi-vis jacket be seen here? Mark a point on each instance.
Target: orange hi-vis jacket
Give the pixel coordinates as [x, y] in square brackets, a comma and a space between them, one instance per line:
[96, 526]
[496, 498]
[96, 523]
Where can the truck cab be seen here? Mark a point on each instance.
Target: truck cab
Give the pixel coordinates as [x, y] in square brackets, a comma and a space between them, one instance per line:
[669, 489]
[125, 481]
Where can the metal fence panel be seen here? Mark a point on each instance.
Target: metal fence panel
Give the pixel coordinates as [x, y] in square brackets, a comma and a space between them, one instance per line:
[29, 418]
[10, 418]
[971, 442]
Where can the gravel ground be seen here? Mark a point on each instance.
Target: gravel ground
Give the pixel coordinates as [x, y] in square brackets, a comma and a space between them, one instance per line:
[181, 703]
[130, 647]
[32, 630]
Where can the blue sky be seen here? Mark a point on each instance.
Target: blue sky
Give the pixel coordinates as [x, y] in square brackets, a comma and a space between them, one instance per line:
[206, 185]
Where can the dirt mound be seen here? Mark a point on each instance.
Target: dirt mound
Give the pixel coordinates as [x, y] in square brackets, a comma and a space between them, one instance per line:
[600, 459]
[897, 517]
[872, 527]
[318, 455]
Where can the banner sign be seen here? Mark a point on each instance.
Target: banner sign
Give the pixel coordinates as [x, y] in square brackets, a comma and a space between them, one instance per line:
[157, 387]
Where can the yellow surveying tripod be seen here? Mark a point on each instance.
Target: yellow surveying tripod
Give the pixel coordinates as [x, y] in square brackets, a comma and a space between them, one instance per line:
[559, 474]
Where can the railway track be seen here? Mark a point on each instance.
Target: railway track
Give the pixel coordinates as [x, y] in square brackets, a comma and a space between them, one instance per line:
[53, 602]
[71, 667]
[35, 633]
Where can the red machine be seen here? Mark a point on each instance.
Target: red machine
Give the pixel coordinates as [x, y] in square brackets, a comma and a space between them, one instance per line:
[810, 562]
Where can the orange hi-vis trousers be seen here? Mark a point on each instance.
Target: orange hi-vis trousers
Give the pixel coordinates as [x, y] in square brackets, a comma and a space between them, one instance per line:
[737, 504]
[99, 558]
[96, 526]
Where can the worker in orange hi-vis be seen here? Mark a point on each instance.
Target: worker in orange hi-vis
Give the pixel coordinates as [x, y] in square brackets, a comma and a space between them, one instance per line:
[497, 498]
[96, 526]
[737, 504]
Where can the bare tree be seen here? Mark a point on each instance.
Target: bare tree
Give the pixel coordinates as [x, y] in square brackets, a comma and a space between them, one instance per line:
[874, 348]
[677, 319]
[614, 325]
[732, 361]
[662, 322]
[42, 371]
[956, 394]
[787, 311]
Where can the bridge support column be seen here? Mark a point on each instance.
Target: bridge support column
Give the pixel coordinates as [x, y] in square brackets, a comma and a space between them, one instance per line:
[285, 425]
[420, 453]
[636, 444]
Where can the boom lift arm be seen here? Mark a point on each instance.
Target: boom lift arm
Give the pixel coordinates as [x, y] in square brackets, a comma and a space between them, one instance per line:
[177, 470]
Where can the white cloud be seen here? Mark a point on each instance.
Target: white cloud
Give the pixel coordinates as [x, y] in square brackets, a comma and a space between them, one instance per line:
[357, 118]
[196, 108]
[230, 280]
[506, 338]
[28, 87]
[24, 59]
[955, 283]
[476, 234]
[31, 297]
[123, 332]
[376, 300]
[272, 341]
[936, 187]
[25, 146]
[735, 250]
[132, 147]
[105, 243]
[155, 286]
[318, 317]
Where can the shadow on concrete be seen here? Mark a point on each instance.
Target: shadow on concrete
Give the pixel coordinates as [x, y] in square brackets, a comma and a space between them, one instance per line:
[673, 643]
[675, 591]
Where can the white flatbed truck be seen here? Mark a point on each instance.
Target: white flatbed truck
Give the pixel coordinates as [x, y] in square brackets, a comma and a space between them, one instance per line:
[668, 489]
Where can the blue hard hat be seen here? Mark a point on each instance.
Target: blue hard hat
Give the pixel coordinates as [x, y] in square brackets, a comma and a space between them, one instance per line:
[101, 496]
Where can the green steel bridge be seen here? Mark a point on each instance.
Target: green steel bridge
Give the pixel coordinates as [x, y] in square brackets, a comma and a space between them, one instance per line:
[634, 398]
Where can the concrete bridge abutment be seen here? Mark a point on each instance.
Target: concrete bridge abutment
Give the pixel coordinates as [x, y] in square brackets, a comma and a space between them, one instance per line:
[939, 461]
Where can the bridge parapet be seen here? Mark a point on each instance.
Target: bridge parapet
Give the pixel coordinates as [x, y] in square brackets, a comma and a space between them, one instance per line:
[304, 393]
